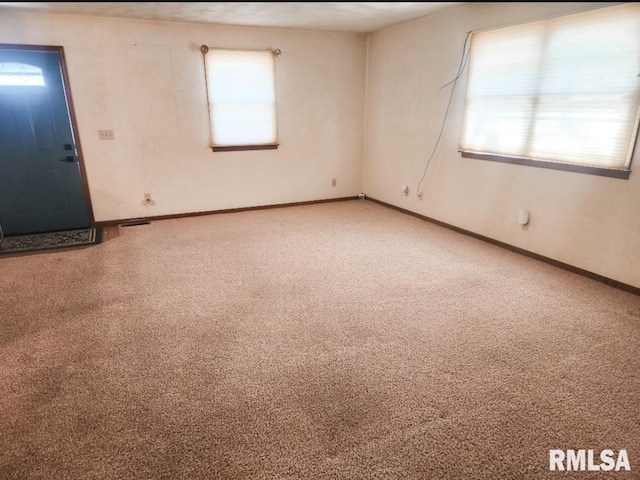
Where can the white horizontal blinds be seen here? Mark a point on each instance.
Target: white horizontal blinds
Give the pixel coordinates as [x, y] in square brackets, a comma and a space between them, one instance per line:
[565, 89]
[242, 99]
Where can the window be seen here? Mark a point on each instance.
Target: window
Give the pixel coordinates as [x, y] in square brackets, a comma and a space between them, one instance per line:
[561, 93]
[242, 99]
[20, 75]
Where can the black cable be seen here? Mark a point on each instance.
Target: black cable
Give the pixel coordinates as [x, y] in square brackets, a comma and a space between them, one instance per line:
[466, 57]
[461, 67]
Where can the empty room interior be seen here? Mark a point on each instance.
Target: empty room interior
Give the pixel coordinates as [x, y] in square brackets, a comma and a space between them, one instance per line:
[319, 240]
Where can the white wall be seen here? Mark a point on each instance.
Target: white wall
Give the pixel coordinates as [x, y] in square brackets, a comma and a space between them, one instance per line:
[145, 80]
[587, 221]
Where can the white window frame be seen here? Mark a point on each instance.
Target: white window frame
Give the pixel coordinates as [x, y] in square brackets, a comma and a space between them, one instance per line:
[16, 74]
[488, 146]
[241, 120]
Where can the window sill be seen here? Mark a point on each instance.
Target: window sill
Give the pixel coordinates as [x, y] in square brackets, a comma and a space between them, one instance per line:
[567, 167]
[237, 148]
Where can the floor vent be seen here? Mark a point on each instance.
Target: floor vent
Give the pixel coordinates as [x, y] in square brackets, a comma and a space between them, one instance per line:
[134, 222]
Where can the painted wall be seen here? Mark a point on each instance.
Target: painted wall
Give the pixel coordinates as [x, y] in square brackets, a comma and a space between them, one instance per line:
[145, 81]
[586, 221]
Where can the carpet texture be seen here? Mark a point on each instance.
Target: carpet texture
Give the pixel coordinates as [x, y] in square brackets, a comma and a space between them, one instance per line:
[334, 341]
[46, 241]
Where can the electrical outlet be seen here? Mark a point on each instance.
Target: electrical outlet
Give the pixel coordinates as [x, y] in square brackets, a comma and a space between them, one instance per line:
[334, 182]
[147, 199]
[419, 195]
[106, 135]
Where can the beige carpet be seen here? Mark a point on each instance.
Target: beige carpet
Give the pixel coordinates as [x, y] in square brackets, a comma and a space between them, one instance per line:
[342, 340]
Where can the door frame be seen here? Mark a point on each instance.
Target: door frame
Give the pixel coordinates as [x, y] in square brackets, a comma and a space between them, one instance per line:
[71, 110]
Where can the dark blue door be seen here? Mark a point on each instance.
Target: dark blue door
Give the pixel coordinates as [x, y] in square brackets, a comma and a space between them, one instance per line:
[41, 187]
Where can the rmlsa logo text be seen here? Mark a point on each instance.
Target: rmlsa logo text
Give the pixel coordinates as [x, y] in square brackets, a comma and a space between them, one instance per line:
[575, 460]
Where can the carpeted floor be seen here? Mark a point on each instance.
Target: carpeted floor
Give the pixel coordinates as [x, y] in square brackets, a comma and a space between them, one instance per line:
[334, 341]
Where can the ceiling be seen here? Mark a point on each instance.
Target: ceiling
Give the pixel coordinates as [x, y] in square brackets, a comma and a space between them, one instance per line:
[340, 16]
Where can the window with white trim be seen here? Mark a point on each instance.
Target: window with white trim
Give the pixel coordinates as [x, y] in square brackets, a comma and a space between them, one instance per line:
[560, 93]
[241, 91]
[21, 75]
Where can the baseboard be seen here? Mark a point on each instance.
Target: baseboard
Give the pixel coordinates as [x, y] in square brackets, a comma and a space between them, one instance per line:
[565, 266]
[108, 223]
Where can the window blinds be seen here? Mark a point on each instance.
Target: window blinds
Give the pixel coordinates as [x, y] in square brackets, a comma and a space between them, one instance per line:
[563, 90]
[242, 100]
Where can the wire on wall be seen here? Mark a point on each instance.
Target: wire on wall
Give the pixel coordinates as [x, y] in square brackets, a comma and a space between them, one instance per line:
[461, 67]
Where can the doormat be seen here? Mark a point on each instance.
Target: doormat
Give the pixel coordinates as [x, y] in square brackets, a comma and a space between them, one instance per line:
[47, 241]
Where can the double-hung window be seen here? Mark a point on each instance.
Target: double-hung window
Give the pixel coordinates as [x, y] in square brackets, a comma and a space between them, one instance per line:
[241, 92]
[560, 93]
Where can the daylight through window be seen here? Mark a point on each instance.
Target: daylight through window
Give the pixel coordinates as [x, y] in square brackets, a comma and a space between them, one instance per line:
[20, 75]
[556, 93]
[242, 99]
